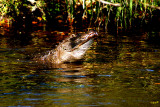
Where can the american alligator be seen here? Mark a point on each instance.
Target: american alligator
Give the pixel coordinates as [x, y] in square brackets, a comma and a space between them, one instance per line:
[71, 49]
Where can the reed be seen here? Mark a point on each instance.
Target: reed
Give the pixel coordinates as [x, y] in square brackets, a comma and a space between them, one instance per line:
[97, 12]
[126, 11]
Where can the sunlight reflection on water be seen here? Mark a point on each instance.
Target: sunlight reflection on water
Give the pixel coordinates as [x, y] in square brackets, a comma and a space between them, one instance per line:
[116, 71]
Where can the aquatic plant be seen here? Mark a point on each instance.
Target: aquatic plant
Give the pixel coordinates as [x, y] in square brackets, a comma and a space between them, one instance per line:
[10, 9]
[121, 13]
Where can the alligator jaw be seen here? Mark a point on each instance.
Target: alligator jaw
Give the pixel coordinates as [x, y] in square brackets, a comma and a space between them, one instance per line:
[86, 38]
[79, 52]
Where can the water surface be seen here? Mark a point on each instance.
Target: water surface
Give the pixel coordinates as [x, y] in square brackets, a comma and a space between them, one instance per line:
[121, 70]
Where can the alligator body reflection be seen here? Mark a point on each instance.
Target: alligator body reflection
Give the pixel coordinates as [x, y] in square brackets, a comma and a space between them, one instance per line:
[71, 49]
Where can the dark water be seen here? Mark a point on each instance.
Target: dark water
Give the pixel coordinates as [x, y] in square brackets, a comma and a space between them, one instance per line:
[122, 70]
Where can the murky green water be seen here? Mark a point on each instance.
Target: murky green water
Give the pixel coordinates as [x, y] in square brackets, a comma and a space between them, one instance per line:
[118, 71]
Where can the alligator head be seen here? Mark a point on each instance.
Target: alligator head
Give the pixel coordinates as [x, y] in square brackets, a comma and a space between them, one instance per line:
[71, 49]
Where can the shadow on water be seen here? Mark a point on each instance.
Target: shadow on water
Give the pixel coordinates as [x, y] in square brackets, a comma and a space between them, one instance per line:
[116, 71]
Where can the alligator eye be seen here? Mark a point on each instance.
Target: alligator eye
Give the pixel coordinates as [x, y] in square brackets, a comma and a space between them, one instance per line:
[64, 48]
[73, 35]
[90, 34]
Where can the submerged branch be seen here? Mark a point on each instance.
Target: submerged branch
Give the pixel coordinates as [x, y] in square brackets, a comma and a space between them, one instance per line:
[119, 4]
[109, 3]
[152, 6]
